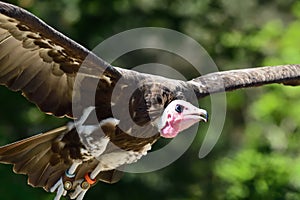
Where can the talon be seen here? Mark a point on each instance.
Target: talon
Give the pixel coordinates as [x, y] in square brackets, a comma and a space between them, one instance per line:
[58, 187]
[81, 195]
[66, 182]
[78, 190]
[82, 187]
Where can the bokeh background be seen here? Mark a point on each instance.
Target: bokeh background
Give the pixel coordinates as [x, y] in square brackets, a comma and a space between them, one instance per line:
[257, 155]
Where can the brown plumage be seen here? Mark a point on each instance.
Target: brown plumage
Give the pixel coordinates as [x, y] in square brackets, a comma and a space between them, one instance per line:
[43, 64]
[45, 157]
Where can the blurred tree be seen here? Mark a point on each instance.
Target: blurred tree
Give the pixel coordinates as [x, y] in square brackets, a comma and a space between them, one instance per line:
[256, 157]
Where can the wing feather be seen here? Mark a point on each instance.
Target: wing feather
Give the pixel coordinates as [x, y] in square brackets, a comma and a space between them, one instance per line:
[35, 58]
[244, 78]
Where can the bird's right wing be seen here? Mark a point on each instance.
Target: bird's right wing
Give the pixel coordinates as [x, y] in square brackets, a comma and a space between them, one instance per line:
[243, 78]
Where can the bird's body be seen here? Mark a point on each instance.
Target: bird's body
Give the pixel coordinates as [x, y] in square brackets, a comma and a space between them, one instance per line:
[117, 114]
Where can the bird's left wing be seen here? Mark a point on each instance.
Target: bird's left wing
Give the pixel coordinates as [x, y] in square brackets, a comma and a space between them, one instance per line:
[41, 62]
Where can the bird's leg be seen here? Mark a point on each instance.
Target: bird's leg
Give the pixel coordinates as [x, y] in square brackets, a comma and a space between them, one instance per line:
[87, 182]
[65, 183]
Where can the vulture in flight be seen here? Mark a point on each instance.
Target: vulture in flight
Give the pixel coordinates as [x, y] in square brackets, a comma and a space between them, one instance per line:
[45, 65]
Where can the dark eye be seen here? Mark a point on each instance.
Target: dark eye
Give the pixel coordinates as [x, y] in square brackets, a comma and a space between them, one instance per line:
[179, 108]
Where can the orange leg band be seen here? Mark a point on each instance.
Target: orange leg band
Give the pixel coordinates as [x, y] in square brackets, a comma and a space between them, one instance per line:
[88, 179]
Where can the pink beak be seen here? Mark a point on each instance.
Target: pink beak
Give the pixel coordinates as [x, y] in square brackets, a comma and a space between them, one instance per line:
[183, 121]
[192, 117]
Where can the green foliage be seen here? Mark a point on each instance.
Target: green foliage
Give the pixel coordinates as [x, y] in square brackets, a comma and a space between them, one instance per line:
[254, 175]
[257, 155]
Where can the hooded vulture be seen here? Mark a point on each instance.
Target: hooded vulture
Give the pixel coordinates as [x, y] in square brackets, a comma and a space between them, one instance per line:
[65, 79]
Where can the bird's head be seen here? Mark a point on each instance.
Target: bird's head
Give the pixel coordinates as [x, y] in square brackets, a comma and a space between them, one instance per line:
[178, 116]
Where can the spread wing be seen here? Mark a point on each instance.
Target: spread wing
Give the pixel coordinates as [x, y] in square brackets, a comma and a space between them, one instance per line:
[252, 77]
[41, 62]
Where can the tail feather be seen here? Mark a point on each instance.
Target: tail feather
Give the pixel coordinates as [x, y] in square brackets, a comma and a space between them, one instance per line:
[41, 179]
[44, 158]
[18, 147]
[29, 162]
[53, 178]
[38, 178]
[32, 156]
[12, 157]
